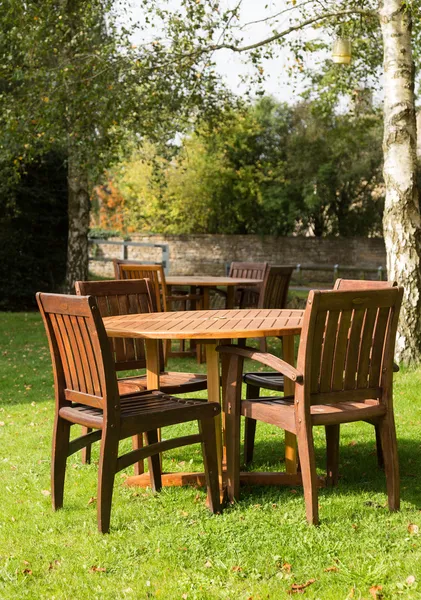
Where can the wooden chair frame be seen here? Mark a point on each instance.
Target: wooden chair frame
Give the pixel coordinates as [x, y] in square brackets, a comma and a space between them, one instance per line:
[125, 269]
[275, 381]
[86, 393]
[344, 373]
[248, 297]
[133, 296]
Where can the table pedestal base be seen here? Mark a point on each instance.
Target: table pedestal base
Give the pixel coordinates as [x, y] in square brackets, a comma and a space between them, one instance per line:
[246, 478]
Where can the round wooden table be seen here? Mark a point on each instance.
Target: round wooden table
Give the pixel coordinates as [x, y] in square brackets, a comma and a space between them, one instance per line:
[211, 327]
[206, 283]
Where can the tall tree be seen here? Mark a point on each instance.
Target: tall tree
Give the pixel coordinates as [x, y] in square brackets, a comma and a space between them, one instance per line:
[267, 169]
[70, 76]
[372, 24]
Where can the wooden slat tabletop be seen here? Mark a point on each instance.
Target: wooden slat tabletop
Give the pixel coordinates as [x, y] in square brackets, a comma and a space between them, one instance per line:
[208, 281]
[207, 324]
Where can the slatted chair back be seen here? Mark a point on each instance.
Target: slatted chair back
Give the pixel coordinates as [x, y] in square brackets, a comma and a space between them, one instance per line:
[362, 284]
[132, 270]
[82, 363]
[248, 270]
[347, 344]
[123, 297]
[275, 286]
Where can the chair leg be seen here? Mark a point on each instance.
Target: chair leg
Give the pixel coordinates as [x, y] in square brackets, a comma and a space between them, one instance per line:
[232, 427]
[61, 438]
[86, 451]
[137, 442]
[154, 462]
[387, 431]
[332, 454]
[250, 426]
[107, 469]
[380, 458]
[210, 460]
[263, 345]
[308, 472]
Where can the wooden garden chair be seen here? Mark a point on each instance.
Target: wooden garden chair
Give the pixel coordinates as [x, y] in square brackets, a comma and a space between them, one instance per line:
[274, 381]
[123, 297]
[274, 291]
[86, 393]
[125, 269]
[248, 297]
[344, 374]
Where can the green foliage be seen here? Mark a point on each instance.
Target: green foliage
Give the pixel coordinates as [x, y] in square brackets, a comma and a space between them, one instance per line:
[335, 165]
[97, 233]
[269, 169]
[33, 233]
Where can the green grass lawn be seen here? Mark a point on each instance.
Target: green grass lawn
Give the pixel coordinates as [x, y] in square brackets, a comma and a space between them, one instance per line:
[168, 545]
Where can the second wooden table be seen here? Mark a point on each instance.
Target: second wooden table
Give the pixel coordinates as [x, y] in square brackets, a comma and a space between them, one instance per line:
[206, 283]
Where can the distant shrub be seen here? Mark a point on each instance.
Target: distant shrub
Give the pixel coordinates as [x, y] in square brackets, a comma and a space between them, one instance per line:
[33, 233]
[98, 233]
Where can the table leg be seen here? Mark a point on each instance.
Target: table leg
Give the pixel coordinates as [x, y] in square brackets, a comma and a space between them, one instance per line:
[152, 382]
[230, 296]
[212, 360]
[206, 297]
[214, 395]
[290, 439]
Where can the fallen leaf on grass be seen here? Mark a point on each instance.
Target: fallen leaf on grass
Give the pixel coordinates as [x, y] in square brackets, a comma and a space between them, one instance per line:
[184, 596]
[46, 492]
[410, 580]
[286, 567]
[298, 588]
[413, 528]
[208, 564]
[329, 569]
[95, 569]
[27, 572]
[237, 568]
[91, 500]
[376, 591]
[373, 504]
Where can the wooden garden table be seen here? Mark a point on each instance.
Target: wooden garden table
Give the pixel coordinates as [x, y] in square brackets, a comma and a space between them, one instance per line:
[212, 327]
[206, 283]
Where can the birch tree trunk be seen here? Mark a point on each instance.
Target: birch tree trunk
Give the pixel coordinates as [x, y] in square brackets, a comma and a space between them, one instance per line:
[78, 212]
[401, 222]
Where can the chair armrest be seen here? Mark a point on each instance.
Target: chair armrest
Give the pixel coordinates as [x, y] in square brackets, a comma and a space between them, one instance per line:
[265, 358]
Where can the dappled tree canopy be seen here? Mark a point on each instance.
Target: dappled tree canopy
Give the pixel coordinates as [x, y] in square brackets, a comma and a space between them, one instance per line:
[269, 169]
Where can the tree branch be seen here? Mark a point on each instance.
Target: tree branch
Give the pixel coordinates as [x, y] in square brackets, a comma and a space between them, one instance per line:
[278, 14]
[285, 32]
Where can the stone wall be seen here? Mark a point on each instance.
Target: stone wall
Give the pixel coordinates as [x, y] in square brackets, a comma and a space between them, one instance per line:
[209, 254]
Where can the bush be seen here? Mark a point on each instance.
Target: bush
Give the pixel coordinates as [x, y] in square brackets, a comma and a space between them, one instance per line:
[33, 233]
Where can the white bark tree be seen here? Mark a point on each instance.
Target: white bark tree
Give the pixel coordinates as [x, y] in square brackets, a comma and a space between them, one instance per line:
[387, 22]
[401, 221]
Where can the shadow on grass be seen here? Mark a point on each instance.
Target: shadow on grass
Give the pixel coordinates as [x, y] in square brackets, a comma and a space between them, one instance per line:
[358, 468]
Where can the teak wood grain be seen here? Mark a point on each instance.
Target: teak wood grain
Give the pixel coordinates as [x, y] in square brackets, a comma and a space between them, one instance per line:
[86, 393]
[164, 299]
[211, 326]
[275, 381]
[364, 356]
[126, 297]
